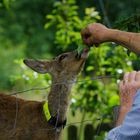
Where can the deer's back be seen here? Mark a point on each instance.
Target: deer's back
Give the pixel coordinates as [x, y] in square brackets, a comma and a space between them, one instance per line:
[30, 123]
[8, 110]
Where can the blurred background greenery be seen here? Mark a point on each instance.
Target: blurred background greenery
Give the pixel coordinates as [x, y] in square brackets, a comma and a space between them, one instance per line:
[42, 29]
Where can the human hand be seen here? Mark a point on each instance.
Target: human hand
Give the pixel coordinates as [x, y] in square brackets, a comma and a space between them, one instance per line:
[128, 88]
[94, 33]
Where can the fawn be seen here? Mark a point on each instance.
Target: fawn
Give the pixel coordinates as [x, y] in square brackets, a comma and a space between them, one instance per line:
[31, 121]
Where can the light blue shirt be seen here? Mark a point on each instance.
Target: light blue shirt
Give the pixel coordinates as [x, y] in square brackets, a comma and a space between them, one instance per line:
[130, 129]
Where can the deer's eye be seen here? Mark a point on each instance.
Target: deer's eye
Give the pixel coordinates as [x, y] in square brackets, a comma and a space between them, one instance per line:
[62, 57]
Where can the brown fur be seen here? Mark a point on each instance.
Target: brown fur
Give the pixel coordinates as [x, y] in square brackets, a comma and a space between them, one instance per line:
[31, 123]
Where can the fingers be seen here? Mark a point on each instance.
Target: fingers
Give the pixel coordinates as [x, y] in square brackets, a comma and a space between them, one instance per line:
[130, 77]
[137, 78]
[121, 85]
[89, 41]
[128, 88]
[132, 80]
[85, 33]
[87, 37]
[125, 78]
[95, 33]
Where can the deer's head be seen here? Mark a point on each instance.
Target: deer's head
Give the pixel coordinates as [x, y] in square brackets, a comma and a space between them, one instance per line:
[64, 66]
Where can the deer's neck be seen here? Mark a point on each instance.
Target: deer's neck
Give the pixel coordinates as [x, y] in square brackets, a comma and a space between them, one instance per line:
[58, 98]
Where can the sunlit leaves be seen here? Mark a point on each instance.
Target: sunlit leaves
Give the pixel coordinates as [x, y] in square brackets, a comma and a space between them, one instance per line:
[114, 100]
[7, 3]
[92, 13]
[68, 24]
[24, 78]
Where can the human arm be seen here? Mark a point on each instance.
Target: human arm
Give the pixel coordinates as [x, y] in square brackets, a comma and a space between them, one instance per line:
[128, 124]
[130, 128]
[127, 90]
[97, 33]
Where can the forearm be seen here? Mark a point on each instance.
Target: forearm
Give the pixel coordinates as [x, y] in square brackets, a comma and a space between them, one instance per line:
[122, 113]
[130, 128]
[127, 39]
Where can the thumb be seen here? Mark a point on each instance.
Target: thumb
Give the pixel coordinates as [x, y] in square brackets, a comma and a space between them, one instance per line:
[137, 77]
[89, 41]
[85, 33]
[137, 85]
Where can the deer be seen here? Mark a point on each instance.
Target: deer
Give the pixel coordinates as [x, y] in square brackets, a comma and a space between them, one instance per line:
[31, 121]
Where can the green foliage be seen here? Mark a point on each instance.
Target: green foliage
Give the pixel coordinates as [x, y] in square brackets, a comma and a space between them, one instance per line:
[6, 3]
[120, 10]
[131, 23]
[22, 34]
[24, 78]
[8, 68]
[25, 24]
[67, 23]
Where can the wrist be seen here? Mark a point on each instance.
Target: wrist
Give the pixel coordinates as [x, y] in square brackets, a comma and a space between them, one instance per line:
[125, 109]
[122, 113]
[110, 35]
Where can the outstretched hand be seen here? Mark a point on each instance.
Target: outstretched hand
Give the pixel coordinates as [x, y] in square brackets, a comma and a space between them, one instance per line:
[94, 34]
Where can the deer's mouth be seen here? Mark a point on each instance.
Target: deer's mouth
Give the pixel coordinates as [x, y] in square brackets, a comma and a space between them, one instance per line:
[83, 54]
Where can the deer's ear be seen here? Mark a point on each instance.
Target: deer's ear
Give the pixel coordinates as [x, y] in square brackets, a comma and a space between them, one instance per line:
[38, 65]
